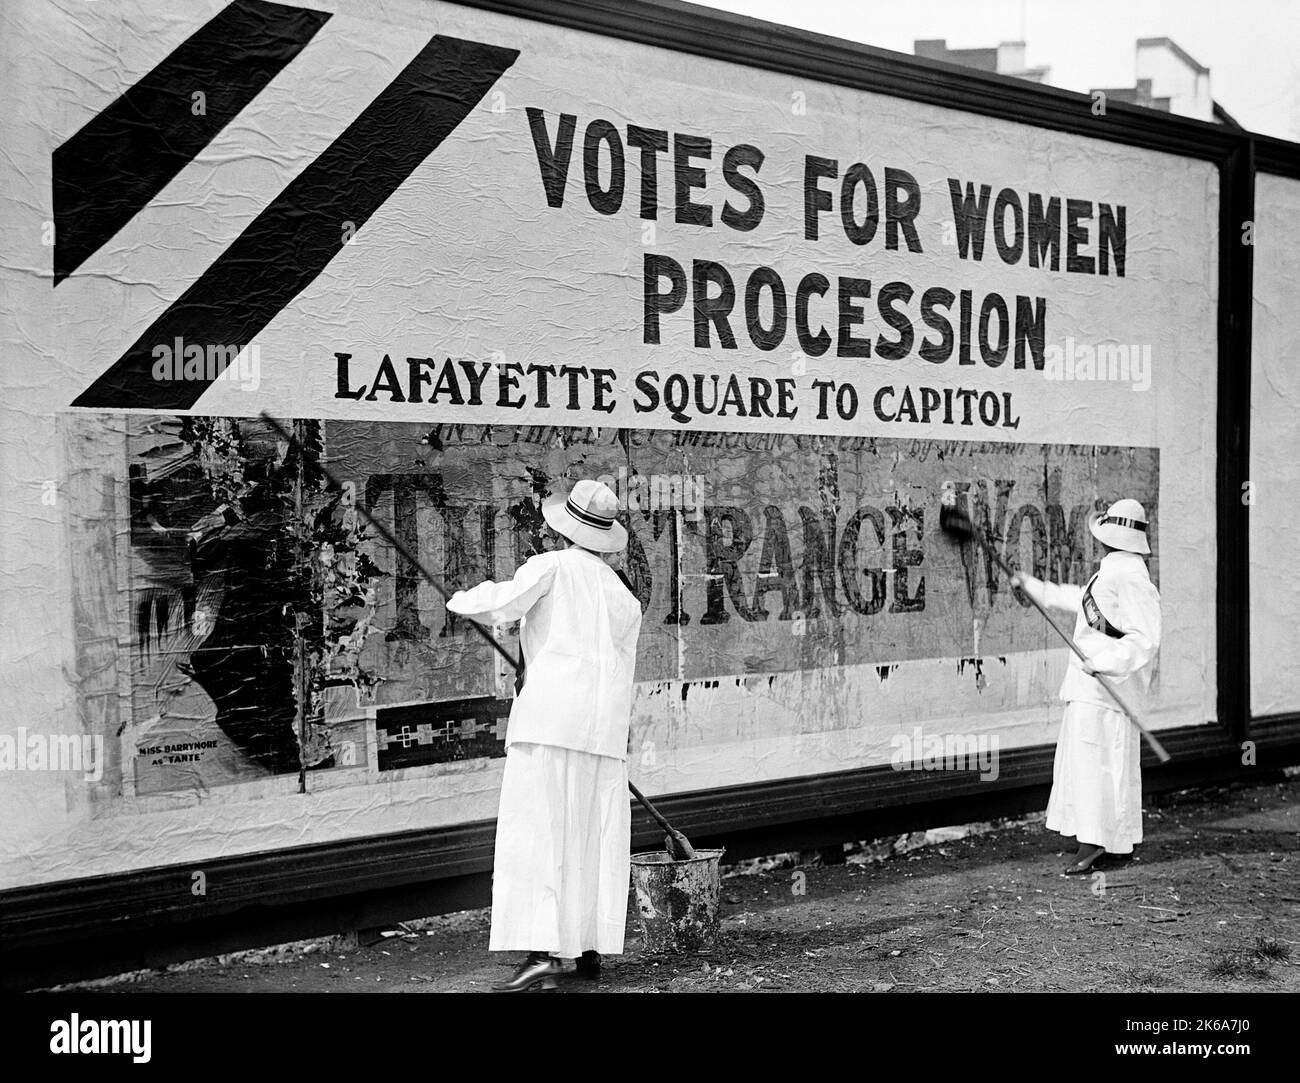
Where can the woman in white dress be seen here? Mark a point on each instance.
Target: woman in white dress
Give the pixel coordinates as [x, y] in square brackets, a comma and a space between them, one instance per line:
[1097, 776]
[563, 842]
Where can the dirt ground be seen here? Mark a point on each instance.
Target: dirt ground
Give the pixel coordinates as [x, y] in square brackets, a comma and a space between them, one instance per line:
[1211, 902]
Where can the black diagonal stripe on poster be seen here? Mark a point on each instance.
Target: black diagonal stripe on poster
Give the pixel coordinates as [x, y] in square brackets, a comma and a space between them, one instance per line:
[302, 229]
[106, 173]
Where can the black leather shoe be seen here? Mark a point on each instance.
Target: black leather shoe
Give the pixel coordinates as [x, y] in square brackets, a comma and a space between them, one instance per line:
[538, 969]
[1087, 856]
[588, 966]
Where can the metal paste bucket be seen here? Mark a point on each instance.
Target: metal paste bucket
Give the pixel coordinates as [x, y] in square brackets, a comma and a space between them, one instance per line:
[678, 900]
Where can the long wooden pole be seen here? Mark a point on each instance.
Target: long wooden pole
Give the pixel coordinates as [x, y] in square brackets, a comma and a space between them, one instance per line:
[1151, 739]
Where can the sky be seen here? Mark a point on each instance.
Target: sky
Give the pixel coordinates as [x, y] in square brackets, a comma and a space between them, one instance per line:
[1252, 47]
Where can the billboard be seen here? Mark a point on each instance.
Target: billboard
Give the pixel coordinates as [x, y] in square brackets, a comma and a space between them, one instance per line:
[1274, 434]
[476, 258]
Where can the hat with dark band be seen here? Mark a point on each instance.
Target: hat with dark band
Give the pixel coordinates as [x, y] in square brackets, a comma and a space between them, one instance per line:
[1123, 526]
[587, 516]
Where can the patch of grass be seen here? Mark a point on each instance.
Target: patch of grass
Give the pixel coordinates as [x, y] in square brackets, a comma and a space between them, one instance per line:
[1230, 965]
[1143, 977]
[1270, 950]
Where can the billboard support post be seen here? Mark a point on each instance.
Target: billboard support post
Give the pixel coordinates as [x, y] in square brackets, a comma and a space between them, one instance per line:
[1236, 291]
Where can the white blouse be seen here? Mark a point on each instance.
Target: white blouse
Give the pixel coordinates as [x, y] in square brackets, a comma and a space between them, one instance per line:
[1125, 596]
[578, 632]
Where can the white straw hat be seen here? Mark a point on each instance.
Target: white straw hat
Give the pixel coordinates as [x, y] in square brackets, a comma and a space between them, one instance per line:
[588, 517]
[1124, 526]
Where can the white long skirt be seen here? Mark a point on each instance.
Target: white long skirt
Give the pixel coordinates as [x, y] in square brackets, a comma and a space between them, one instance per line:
[564, 834]
[1097, 779]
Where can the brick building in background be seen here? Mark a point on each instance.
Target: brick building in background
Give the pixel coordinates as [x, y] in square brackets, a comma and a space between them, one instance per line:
[1007, 58]
[1167, 77]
